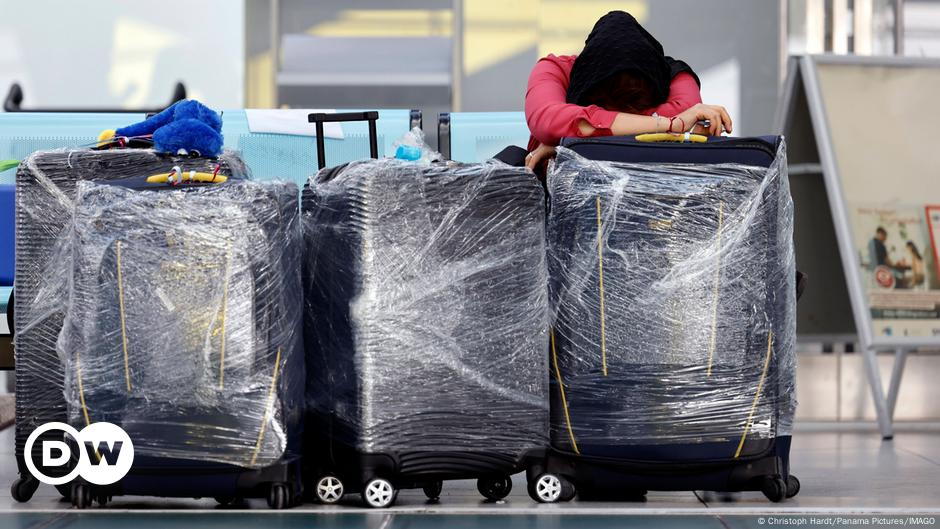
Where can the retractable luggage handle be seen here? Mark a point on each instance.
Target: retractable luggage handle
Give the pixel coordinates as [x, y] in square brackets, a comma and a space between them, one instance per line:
[319, 118]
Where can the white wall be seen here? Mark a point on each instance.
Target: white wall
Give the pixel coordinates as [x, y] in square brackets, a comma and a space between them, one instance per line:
[114, 53]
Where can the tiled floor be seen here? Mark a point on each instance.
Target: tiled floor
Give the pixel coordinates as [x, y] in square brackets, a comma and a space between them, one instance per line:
[848, 472]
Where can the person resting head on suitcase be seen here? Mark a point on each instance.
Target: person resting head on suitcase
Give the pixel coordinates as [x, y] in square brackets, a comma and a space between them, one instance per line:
[620, 84]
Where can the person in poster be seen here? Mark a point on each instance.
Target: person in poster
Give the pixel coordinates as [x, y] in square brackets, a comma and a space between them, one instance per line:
[917, 275]
[895, 252]
[887, 272]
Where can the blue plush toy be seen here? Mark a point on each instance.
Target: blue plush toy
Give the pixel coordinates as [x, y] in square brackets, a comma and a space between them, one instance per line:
[185, 127]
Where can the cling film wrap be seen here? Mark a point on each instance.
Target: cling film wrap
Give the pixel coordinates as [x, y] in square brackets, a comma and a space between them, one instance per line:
[673, 297]
[170, 311]
[182, 316]
[427, 307]
[45, 200]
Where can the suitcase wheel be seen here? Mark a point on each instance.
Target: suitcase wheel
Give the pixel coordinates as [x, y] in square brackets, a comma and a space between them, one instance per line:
[549, 488]
[494, 489]
[24, 488]
[81, 496]
[102, 499]
[279, 496]
[329, 489]
[774, 488]
[793, 486]
[224, 500]
[433, 490]
[65, 490]
[379, 493]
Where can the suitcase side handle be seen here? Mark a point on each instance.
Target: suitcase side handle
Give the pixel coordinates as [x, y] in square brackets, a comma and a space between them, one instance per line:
[319, 118]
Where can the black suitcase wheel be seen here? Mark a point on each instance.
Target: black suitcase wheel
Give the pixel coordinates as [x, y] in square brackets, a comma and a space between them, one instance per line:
[568, 490]
[774, 488]
[81, 496]
[379, 493]
[23, 489]
[793, 486]
[102, 499]
[433, 490]
[329, 489]
[549, 488]
[494, 489]
[65, 490]
[224, 500]
[278, 496]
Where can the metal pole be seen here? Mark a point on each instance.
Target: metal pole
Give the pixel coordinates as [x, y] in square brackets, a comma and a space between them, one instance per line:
[840, 26]
[373, 140]
[321, 147]
[275, 29]
[783, 41]
[900, 356]
[899, 27]
[815, 26]
[885, 423]
[863, 27]
[456, 76]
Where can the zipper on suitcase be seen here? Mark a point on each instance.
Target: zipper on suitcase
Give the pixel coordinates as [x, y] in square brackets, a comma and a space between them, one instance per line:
[734, 143]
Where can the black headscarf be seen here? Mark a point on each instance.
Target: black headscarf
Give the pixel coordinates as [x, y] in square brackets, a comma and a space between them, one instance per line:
[618, 43]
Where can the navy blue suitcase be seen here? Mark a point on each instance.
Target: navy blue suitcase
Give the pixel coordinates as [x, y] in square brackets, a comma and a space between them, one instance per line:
[47, 190]
[209, 416]
[418, 370]
[672, 285]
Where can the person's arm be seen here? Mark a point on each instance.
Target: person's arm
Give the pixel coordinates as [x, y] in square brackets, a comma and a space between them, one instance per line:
[551, 118]
[684, 94]
[628, 124]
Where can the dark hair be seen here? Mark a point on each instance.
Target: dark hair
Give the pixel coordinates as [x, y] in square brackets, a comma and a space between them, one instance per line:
[622, 92]
[881, 230]
[913, 248]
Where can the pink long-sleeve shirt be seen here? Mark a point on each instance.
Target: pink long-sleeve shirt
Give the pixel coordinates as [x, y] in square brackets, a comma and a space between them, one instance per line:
[551, 118]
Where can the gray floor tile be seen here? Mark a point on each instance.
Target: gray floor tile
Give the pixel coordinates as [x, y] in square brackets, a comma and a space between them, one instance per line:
[292, 520]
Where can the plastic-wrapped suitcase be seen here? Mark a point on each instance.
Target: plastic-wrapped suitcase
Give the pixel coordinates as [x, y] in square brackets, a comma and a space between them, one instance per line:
[193, 349]
[45, 194]
[673, 344]
[426, 327]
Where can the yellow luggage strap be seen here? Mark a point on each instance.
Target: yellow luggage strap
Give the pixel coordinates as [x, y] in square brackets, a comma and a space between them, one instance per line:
[223, 315]
[715, 291]
[177, 175]
[561, 390]
[81, 387]
[600, 285]
[267, 408]
[657, 137]
[760, 386]
[120, 282]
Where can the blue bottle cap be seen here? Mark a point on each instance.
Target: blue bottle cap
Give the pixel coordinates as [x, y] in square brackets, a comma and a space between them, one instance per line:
[408, 152]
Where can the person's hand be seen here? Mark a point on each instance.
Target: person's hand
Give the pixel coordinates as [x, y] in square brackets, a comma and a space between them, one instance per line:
[536, 159]
[717, 115]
